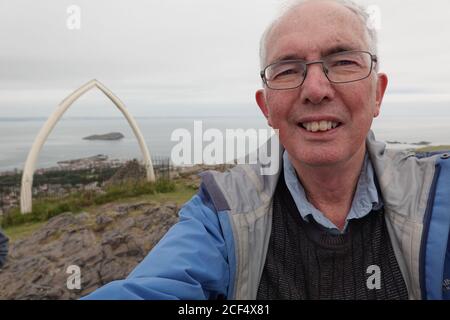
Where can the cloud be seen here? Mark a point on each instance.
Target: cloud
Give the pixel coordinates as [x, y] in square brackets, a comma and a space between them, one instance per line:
[176, 51]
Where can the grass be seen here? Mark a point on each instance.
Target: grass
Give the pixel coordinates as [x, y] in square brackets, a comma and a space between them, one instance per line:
[433, 148]
[17, 226]
[44, 209]
[15, 233]
[180, 196]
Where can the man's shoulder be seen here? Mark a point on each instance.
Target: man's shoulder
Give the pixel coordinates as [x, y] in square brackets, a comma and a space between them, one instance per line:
[443, 154]
[242, 188]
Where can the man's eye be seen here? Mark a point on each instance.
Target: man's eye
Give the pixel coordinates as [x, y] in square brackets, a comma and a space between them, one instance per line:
[289, 71]
[286, 72]
[339, 63]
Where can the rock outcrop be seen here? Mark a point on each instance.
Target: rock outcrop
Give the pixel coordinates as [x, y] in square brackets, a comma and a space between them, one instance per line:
[131, 171]
[106, 246]
[106, 243]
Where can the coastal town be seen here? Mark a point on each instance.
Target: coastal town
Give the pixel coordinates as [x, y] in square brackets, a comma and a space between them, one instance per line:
[67, 177]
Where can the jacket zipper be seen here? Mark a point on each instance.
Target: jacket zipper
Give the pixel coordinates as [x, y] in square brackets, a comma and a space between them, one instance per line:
[426, 227]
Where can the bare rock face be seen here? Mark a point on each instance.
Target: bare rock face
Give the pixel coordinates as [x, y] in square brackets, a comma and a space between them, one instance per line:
[105, 247]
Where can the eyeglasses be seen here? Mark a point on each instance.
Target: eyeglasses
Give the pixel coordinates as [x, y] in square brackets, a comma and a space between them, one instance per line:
[342, 67]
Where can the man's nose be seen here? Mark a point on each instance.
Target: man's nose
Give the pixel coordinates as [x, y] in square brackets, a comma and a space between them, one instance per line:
[316, 88]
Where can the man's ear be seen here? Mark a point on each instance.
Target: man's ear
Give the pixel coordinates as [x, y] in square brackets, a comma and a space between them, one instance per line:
[261, 101]
[382, 83]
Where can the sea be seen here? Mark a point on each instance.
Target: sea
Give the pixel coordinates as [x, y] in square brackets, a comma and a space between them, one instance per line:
[407, 122]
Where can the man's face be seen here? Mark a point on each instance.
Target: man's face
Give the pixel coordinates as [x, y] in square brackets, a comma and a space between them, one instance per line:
[310, 32]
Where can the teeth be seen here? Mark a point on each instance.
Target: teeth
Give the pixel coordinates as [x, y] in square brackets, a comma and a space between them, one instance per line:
[323, 125]
[319, 125]
[308, 126]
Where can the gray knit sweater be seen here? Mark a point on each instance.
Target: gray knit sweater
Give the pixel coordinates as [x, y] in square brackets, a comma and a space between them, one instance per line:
[304, 261]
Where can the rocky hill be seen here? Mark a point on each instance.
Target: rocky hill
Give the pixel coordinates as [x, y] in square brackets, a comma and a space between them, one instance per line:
[132, 170]
[105, 242]
[106, 247]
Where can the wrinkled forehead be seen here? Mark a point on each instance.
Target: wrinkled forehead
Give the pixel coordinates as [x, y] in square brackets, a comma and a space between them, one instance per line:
[313, 30]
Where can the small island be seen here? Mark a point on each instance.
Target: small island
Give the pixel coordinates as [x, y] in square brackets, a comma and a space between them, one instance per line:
[107, 136]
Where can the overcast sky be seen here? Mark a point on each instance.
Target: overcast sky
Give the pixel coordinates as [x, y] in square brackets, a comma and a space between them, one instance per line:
[187, 55]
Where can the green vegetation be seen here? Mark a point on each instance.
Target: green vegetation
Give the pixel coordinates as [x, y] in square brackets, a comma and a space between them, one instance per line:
[433, 148]
[180, 195]
[44, 209]
[72, 177]
[21, 231]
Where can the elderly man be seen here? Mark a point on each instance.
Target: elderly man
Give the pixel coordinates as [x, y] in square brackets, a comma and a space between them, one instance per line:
[343, 218]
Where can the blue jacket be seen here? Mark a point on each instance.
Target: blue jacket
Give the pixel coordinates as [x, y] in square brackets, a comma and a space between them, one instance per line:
[218, 247]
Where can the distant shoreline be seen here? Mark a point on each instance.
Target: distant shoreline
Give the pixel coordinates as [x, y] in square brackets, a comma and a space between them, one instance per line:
[64, 165]
[421, 143]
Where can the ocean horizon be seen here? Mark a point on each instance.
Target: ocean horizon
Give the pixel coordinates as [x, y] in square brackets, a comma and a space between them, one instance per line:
[408, 123]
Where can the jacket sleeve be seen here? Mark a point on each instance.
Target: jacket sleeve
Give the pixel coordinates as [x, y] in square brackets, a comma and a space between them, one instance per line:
[189, 262]
[3, 248]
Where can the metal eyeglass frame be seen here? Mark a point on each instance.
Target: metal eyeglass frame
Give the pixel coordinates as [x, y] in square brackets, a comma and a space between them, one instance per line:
[373, 61]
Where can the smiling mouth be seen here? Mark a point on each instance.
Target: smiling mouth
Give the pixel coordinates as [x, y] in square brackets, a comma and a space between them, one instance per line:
[320, 126]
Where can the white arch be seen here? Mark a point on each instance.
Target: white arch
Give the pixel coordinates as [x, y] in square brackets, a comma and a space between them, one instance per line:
[28, 171]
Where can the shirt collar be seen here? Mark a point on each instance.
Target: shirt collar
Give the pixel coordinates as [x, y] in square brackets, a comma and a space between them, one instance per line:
[365, 200]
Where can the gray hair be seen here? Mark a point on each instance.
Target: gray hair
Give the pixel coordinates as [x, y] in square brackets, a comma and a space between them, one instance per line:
[360, 11]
